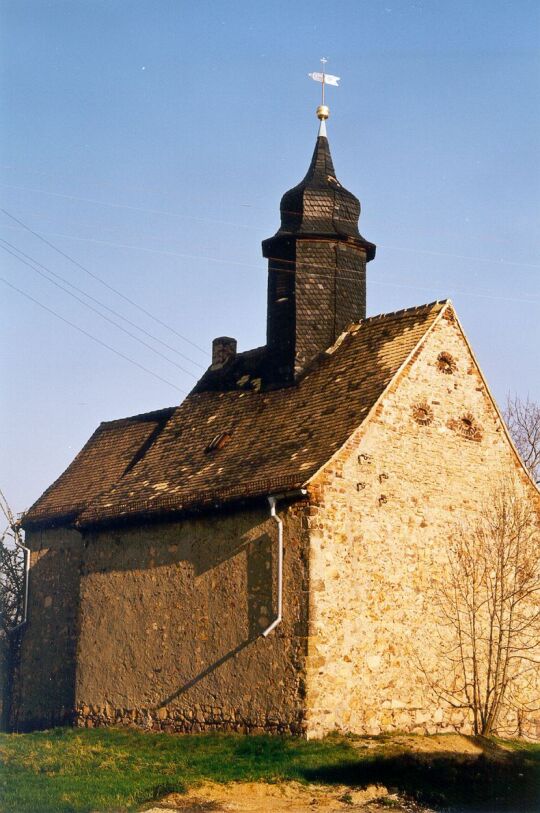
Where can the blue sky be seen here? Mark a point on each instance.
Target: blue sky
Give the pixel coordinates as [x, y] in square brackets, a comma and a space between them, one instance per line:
[151, 142]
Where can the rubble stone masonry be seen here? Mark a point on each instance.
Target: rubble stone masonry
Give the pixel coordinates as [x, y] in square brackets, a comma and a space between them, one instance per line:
[381, 513]
[46, 685]
[168, 627]
[159, 625]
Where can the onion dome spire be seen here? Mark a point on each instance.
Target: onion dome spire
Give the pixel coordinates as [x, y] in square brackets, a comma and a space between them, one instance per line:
[316, 264]
[319, 206]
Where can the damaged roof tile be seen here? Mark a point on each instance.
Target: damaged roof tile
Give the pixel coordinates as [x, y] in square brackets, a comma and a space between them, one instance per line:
[120, 472]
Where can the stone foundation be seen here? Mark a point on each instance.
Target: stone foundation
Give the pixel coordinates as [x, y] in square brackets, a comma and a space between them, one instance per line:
[185, 721]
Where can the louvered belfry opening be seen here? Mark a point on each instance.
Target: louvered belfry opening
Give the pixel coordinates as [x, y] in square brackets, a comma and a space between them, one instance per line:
[316, 267]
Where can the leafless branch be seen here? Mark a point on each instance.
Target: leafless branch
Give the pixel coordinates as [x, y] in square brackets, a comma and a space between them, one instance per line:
[487, 606]
[523, 420]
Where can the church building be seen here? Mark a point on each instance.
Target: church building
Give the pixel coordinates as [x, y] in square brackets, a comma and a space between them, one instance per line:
[261, 557]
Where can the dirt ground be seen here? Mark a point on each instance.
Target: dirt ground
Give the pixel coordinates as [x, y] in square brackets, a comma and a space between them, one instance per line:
[294, 797]
[260, 797]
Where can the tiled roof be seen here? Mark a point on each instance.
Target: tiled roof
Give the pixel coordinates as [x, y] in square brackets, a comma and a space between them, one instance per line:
[276, 440]
[111, 450]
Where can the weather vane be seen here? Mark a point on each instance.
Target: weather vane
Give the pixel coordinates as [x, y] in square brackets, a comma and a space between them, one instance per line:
[325, 79]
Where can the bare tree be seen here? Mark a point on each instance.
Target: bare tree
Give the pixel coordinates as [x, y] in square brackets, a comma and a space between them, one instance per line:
[487, 608]
[523, 421]
[12, 604]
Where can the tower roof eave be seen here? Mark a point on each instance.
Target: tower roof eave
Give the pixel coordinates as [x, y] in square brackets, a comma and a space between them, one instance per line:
[276, 247]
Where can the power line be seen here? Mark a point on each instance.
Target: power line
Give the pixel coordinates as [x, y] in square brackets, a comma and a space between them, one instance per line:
[429, 253]
[95, 310]
[90, 336]
[351, 278]
[132, 208]
[229, 260]
[102, 281]
[127, 358]
[97, 301]
[456, 291]
[468, 293]
[163, 252]
[247, 226]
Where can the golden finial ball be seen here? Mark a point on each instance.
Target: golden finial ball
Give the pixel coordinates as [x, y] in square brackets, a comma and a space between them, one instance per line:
[323, 112]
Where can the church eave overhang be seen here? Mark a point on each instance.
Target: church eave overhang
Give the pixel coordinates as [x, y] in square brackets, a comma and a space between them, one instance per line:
[177, 507]
[278, 246]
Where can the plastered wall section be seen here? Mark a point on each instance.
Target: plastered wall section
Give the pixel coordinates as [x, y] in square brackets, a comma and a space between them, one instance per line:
[382, 511]
[170, 624]
[45, 689]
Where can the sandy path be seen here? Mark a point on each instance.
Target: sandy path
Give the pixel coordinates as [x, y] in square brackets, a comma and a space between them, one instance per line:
[294, 797]
[260, 797]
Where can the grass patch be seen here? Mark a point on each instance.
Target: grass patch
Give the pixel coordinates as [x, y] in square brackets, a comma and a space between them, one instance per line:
[119, 770]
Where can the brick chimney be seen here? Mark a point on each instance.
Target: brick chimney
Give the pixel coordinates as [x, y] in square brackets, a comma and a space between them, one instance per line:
[223, 349]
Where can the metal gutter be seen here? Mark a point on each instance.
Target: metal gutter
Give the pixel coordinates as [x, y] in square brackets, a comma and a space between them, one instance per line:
[272, 501]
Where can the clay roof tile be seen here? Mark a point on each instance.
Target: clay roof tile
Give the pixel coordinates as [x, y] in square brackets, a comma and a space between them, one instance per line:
[159, 463]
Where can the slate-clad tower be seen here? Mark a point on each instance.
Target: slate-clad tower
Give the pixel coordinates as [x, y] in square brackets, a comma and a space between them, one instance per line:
[316, 282]
[316, 266]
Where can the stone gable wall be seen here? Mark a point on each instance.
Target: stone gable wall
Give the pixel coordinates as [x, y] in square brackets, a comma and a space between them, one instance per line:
[382, 511]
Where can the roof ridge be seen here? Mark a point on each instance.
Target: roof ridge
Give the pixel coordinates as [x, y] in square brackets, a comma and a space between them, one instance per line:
[258, 349]
[153, 415]
[289, 432]
[389, 383]
[413, 308]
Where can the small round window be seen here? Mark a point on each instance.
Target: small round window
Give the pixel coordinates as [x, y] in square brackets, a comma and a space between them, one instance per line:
[422, 413]
[467, 426]
[446, 363]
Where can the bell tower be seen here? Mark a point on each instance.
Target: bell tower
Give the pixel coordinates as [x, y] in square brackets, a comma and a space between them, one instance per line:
[316, 265]
[316, 280]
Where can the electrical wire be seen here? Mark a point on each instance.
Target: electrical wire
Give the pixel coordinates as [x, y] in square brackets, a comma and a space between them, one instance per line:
[231, 261]
[98, 302]
[127, 358]
[350, 278]
[258, 228]
[95, 310]
[102, 281]
[132, 208]
[467, 293]
[90, 335]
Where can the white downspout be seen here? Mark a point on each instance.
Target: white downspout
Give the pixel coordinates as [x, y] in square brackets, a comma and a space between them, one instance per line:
[272, 501]
[26, 582]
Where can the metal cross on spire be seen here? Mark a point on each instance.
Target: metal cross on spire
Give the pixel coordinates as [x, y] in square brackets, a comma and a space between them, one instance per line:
[325, 79]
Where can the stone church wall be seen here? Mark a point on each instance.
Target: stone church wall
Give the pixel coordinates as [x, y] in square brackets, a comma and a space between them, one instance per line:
[169, 621]
[159, 625]
[382, 512]
[45, 693]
